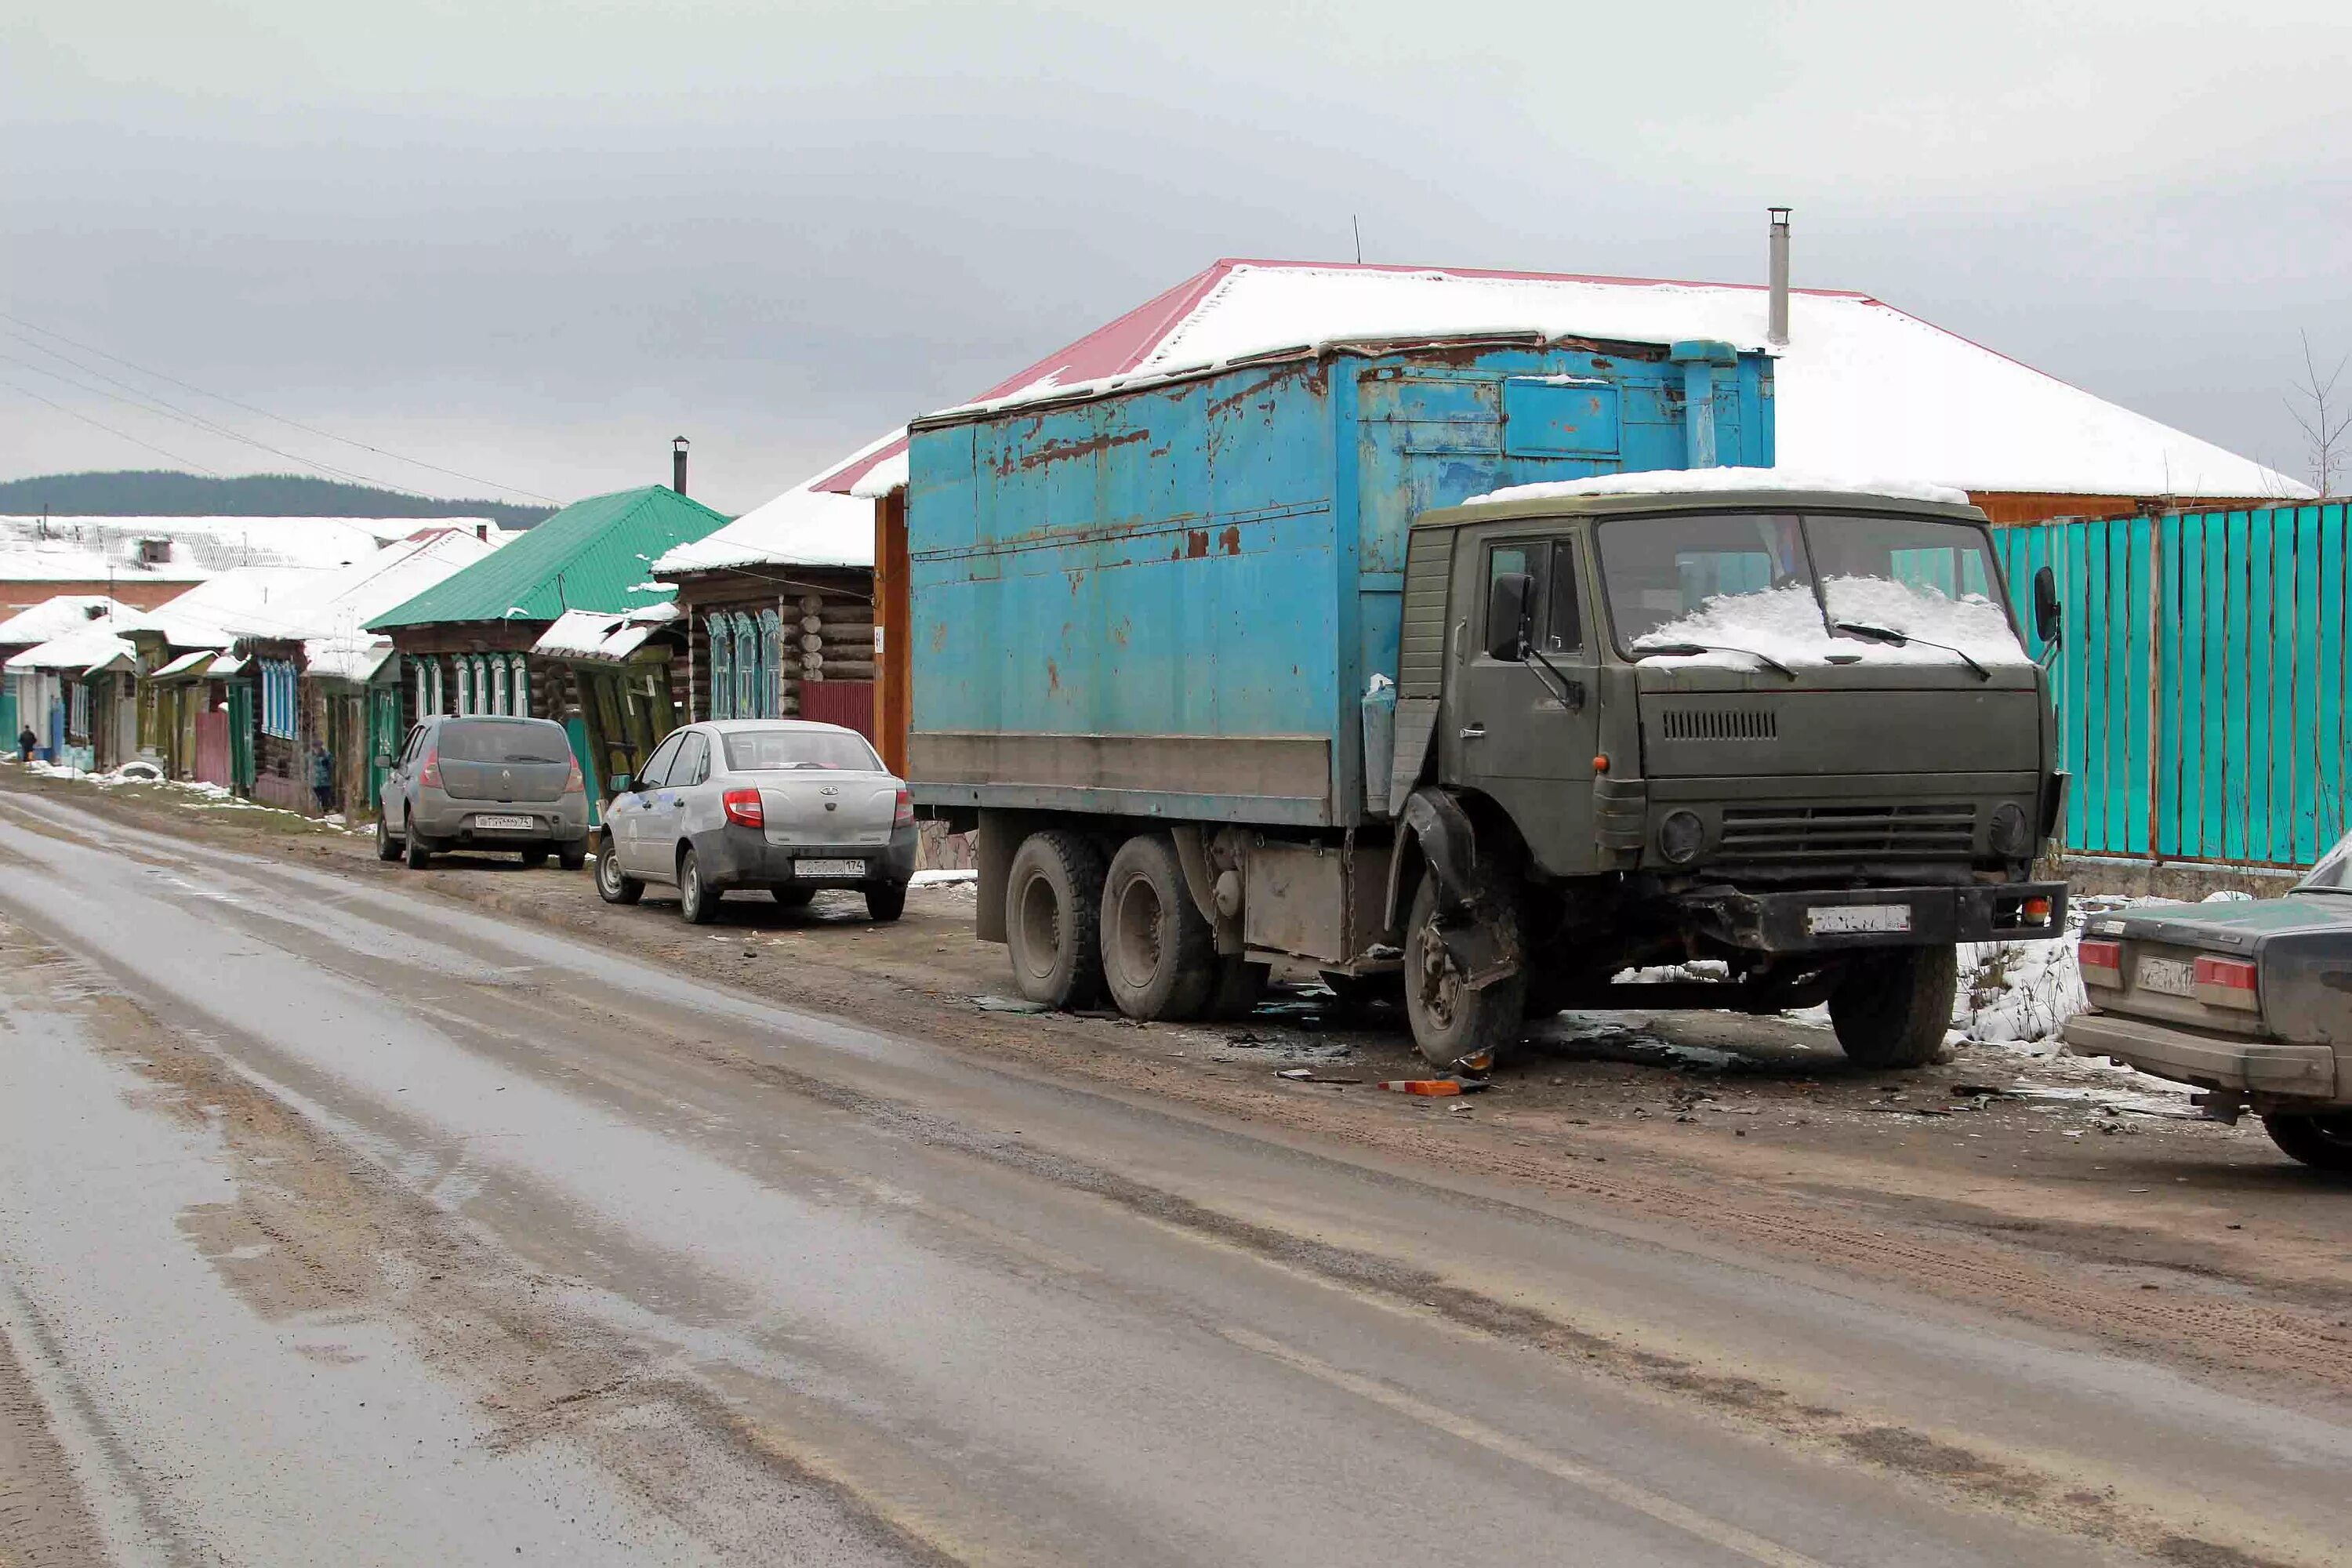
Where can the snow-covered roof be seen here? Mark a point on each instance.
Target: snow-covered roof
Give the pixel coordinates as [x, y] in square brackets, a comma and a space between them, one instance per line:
[805, 526]
[90, 549]
[186, 664]
[56, 615]
[1711, 481]
[246, 601]
[596, 635]
[355, 658]
[92, 647]
[1860, 387]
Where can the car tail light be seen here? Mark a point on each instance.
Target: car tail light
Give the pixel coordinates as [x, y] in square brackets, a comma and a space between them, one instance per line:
[430, 775]
[905, 816]
[573, 783]
[743, 809]
[2227, 982]
[2102, 964]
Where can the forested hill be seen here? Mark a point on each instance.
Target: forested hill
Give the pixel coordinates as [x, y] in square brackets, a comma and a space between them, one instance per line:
[162, 493]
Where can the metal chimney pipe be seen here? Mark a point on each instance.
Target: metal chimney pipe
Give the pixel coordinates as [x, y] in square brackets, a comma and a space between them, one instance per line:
[1775, 330]
[677, 445]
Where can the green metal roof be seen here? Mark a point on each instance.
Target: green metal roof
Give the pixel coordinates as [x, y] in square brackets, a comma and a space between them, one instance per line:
[594, 554]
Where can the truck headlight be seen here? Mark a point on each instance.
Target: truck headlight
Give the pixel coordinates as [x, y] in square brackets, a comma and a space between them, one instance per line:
[2009, 834]
[1681, 836]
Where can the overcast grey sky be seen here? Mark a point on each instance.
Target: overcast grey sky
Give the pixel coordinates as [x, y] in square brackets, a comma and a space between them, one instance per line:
[532, 239]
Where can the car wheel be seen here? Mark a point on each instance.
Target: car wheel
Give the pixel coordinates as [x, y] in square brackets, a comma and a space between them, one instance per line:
[793, 898]
[532, 859]
[1895, 1004]
[1053, 912]
[1159, 956]
[696, 900]
[1455, 1026]
[2323, 1141]
[420, 854]
[886, 903]
[614, 885]
[387, 847]
[571, 857]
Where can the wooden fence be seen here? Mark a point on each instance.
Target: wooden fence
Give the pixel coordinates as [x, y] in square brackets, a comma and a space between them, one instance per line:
[2201, 685]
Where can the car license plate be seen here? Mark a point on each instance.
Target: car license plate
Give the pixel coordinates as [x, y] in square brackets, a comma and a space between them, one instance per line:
[1824, 920]
[524, 823]
[2168, 976]
[828, 867]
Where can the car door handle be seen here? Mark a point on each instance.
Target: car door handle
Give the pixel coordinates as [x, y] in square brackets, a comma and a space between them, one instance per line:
[1474, 732]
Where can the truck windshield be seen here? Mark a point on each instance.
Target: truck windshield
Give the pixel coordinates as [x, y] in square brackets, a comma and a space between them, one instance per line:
[1915, 588]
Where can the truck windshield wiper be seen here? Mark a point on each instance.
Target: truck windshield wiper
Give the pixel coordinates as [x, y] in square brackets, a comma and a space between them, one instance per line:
[1889, 635]
[1681, 649]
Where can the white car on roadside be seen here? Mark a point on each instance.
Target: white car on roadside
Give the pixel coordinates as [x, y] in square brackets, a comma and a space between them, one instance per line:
[780, 804]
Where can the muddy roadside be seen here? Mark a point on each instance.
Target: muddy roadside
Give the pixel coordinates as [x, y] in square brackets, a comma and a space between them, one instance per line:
[2036, 1190]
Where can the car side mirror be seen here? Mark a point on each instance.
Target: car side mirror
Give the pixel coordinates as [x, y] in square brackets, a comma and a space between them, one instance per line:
[1507, 600]
[622, 783]
[2049, 617]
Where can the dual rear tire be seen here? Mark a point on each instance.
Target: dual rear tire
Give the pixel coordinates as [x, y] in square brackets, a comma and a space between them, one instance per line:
[1081, 931]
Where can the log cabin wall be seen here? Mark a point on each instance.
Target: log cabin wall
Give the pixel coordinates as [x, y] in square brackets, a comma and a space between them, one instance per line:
[822, 630]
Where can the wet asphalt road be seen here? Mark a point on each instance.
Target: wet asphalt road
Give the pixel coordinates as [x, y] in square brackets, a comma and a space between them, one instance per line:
[341, 1224]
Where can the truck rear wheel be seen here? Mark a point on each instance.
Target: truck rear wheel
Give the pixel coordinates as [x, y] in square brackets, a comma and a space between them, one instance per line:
[1894, 1004]
[1159, 956]
[1455, 1026]
[1053, 912]
[2323, 1142]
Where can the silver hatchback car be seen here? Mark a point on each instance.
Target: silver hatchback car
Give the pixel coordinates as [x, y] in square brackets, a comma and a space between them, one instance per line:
[759, 803]
[484, 783]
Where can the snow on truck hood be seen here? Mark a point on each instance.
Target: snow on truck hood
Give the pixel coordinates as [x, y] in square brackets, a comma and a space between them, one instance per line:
[1710, 481]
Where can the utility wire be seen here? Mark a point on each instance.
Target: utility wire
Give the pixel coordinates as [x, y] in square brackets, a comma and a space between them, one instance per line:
[266, 414]
[150, 404]
[108, 428]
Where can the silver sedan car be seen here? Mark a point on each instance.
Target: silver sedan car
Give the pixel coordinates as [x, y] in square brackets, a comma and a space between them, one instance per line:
[759, 803]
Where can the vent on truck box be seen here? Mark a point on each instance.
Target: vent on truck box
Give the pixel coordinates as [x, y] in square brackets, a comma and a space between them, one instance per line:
[1719, 724]
[1937, 831]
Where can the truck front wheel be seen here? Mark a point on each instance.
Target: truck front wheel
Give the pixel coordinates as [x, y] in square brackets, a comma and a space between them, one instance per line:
[1159, 956]
[2323, 1141]
[1053, 911]
[1453, 1024]
[1894, 1004]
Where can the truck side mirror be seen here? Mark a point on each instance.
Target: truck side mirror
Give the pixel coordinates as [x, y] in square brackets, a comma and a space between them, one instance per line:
[1507, 599]
[2049, 618]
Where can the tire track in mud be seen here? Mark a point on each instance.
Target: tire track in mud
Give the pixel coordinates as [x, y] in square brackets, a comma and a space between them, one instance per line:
[44, 1520]
[1987, 1274]
[2154, 1525]
[317, 1229]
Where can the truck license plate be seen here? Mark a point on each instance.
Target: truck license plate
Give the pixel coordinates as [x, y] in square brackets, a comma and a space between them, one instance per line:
[1824, 920]
[828, 867]
[524, 823]
[2168, 976]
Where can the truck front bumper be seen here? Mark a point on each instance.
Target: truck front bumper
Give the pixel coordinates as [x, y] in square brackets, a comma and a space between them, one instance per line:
[1823, 920]
[2264, 1070]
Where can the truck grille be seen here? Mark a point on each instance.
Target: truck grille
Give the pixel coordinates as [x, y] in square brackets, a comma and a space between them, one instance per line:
[1927, 831]
[1719, 724]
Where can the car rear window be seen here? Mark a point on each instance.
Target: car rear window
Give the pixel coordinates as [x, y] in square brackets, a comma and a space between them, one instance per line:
[525, 742]
[781, 750]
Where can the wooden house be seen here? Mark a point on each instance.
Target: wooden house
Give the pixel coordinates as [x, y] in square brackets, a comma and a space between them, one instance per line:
[471, 643]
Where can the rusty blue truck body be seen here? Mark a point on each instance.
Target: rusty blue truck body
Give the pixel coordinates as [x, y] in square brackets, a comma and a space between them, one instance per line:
[1170, 600]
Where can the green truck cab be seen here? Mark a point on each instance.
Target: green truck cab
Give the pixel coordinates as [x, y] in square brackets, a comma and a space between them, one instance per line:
[1645, 723]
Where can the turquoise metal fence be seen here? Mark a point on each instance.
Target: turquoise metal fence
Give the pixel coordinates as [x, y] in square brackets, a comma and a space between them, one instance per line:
[2201, 685]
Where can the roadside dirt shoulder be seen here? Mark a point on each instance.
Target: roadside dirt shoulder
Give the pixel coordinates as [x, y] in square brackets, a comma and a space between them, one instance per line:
[2185, 1240]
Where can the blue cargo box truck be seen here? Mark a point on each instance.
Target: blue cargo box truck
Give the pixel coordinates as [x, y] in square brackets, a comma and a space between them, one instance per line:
[1185, 653]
